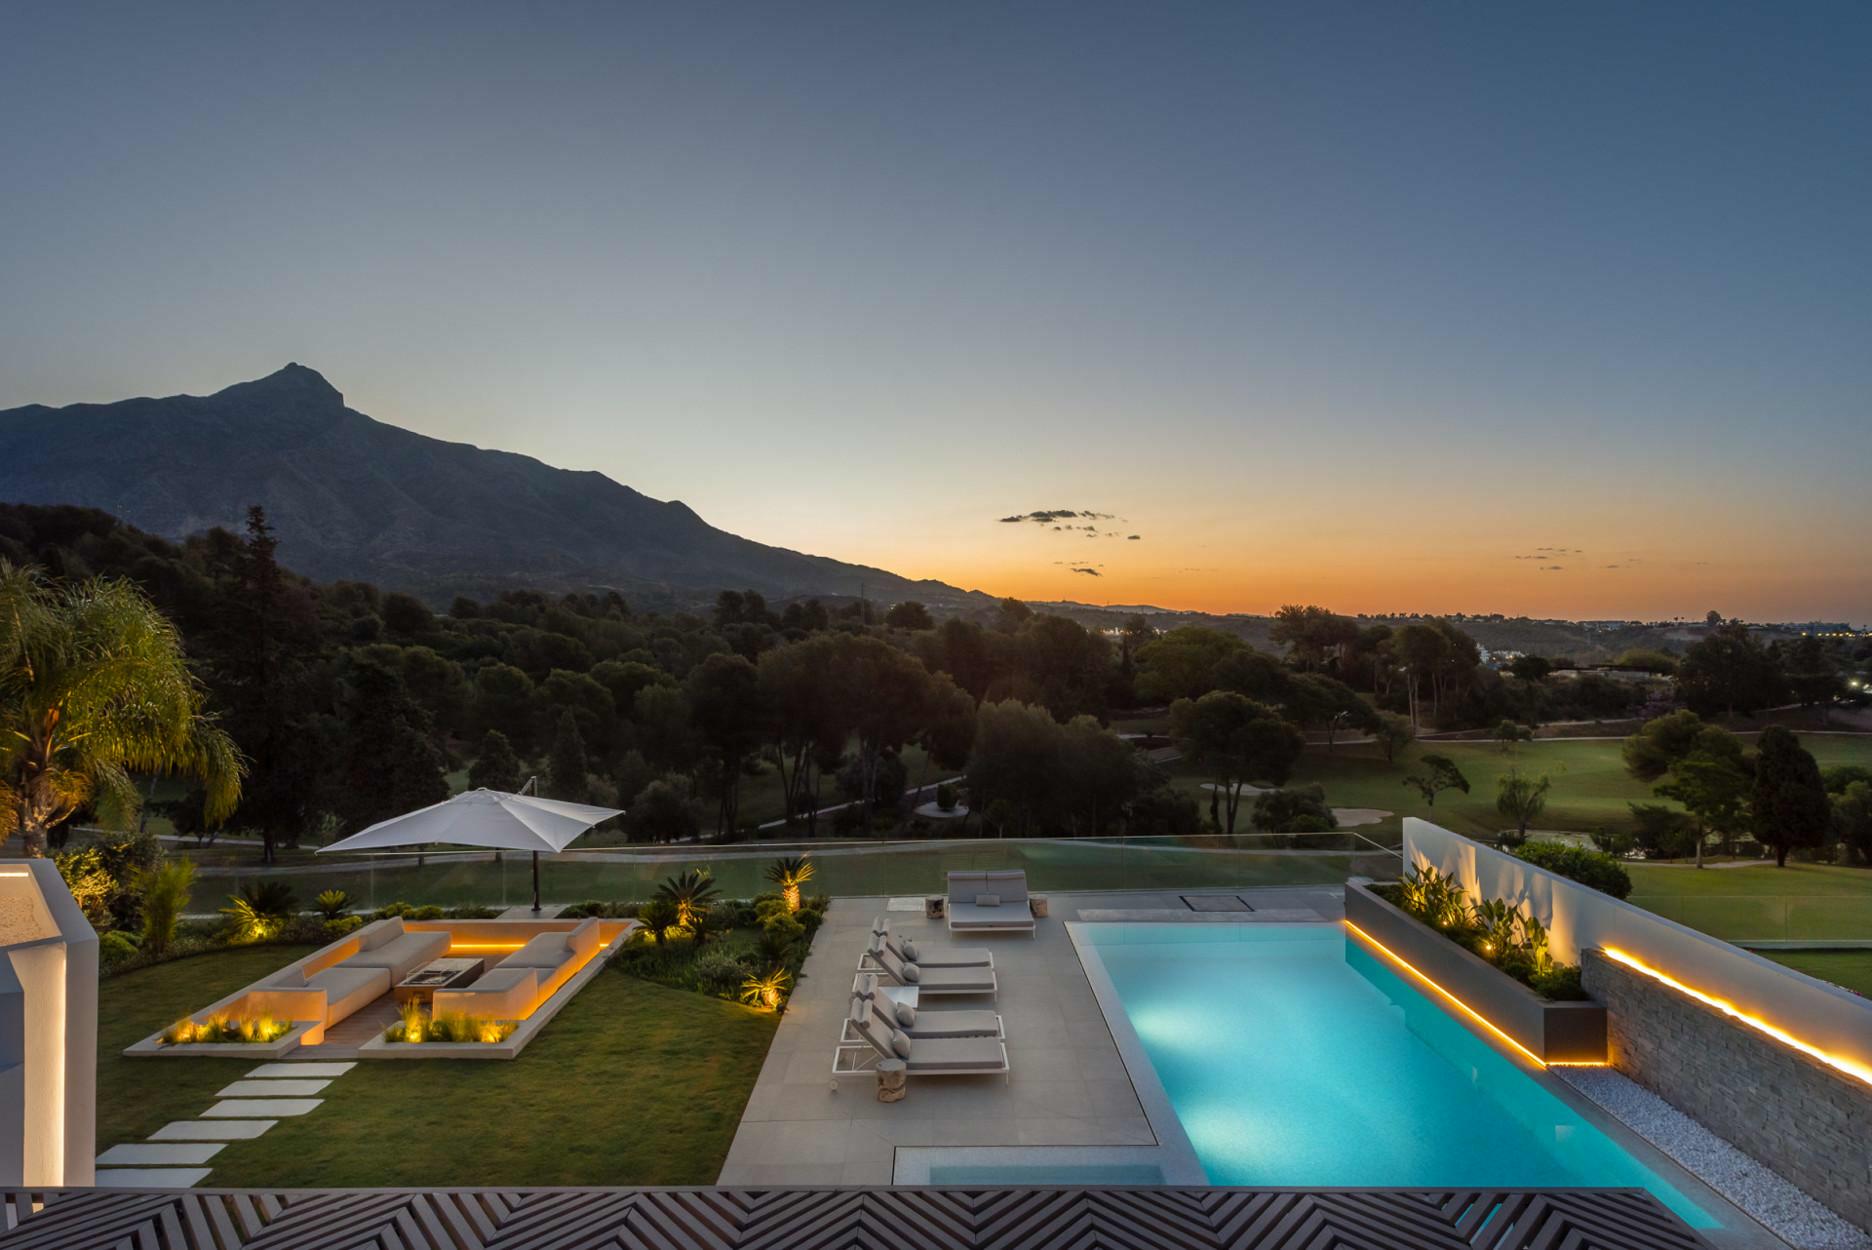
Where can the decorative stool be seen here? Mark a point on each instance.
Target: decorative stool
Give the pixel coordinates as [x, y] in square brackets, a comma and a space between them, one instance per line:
[933, 906]
[1038, 904]
[893, 1080]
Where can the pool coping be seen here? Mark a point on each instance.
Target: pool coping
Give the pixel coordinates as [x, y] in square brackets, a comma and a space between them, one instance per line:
[1736, 1230]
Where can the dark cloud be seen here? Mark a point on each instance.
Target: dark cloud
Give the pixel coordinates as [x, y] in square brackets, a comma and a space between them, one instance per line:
[1133, 537]
[1050, 516]
[1089, 572]
[1551, 568]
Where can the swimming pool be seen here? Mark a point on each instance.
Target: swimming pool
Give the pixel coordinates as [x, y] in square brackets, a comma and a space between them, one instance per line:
[1294, 1056]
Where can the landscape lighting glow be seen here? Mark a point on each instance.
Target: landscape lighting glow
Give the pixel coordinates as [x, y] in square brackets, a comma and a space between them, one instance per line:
[1851, 1067]
[1467, 1010]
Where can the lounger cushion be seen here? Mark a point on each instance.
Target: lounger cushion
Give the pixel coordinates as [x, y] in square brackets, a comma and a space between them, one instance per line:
[403, 954]
[956, 1052]
[547, 950]
[900, 1042]
[958, 979]
[966, 916]
[942, 955]
[940, 1024]
[347, 989]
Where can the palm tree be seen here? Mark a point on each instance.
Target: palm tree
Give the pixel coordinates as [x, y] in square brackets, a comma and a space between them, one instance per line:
[692, 891]
[790, 872]
[94, 687]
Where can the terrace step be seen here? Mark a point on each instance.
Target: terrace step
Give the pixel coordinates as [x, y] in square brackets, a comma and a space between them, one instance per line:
[272, 1089]
[161, 1153]
[212, 1130]
[150, 1178]
[300, 1070]
[261, 1108]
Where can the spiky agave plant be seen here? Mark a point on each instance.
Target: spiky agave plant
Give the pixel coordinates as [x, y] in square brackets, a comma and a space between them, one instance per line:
[790, 872]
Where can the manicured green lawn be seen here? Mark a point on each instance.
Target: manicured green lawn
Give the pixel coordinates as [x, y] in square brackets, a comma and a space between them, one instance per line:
[1850, 968]
[631, 1084]
[1801, 901]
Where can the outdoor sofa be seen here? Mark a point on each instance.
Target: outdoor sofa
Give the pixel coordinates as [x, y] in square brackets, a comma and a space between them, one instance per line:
[945, 1056]
[350, 975]
[989, 902]
[511, 989]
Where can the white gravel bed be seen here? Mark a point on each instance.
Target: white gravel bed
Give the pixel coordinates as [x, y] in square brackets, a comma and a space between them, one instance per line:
[1784, 1210]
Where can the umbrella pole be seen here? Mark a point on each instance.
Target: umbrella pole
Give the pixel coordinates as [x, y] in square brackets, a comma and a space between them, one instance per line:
[536, 905]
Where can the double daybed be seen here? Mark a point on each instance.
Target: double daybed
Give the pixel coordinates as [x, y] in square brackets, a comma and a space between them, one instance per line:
[989, 902]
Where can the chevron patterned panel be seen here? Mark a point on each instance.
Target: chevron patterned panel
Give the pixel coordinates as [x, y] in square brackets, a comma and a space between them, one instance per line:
[838, 1219]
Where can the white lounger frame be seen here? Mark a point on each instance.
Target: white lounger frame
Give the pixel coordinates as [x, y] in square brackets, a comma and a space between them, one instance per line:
[849, 1036]
[868, 962]
[860, 1059]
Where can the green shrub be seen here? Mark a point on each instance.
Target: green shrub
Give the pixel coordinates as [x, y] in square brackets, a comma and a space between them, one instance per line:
[946, 797]
[721, 972]
[782, 938]
[114, 947]
[165, 891]
[341, 925]
[1590, 868]
[1559, 982]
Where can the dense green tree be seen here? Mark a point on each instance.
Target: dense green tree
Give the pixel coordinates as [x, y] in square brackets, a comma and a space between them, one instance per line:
[1063, 666]
[1531, 667]
[567, 767]
[1713, 786]
[1393, 733]
[1236, 741]
[390, 763]
[1790, 806]
[1312, 635]
[1664, 740]
[1015, 763]
[1299, 809]
[730, 718]
[496, 767]
[1662, 831]
[1852, 818]
[664, 811]
[504, 699]
[1182, 664]
[909, 615]
[1728, 673]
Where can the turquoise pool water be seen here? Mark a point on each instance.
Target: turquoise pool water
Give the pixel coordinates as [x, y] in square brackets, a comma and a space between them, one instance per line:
[1295, 1056]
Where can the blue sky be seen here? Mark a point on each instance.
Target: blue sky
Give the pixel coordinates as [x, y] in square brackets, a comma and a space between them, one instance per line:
[1353, 303]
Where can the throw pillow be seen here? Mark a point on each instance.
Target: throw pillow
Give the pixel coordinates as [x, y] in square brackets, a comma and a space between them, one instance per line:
[912, 973]
[909, 950]
[987, 900]
[906, 1016]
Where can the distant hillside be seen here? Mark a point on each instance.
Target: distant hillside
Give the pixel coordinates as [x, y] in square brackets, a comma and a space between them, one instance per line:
[354, 498]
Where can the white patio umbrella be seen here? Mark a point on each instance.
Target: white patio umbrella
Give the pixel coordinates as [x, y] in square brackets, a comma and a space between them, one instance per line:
[487, 818]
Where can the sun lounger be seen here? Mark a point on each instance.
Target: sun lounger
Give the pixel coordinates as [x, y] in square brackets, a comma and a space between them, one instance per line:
[931, 954]
[958, 1056]
[926, 1023]
[989, 902]
[880, 961]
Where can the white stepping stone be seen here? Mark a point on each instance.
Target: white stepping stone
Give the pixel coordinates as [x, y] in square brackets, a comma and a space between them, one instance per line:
[149, 1178]
[212, 1130]
[272, 1089]
[261, 1108]
[302, 1069]
[161, 1153]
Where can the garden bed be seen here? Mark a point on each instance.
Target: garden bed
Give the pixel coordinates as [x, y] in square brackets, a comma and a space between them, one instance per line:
[1553, 1031]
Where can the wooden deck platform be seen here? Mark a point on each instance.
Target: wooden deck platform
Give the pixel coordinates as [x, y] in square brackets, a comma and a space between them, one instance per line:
[840, 1219]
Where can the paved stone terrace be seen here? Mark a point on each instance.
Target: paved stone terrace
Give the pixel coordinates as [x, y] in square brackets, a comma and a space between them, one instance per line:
[1068, 1086]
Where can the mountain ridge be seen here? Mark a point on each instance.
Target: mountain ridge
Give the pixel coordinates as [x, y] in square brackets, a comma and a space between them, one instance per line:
[358, 498]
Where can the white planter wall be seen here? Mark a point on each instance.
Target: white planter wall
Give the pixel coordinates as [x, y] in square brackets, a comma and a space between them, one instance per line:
[1579, 918]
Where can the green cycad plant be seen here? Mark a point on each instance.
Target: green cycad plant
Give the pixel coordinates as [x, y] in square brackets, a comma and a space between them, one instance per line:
[693, 892]
[165, 891]
[790, 872]
[259, 910]
[94, 687]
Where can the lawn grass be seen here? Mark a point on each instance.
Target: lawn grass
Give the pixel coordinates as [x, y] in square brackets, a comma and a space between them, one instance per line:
[1805, 902]
[1849, 968]
[631, 1084]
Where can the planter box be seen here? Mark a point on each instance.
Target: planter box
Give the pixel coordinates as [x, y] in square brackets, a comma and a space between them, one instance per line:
[1557, 1032]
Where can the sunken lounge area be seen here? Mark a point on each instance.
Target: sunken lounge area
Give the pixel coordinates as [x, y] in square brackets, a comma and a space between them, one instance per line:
[396, 989]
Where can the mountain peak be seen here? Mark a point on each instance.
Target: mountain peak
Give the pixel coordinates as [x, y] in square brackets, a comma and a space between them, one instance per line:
[295, 381]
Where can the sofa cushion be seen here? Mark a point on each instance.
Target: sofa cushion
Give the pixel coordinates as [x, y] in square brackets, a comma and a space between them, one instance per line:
[548, 950]
[347, 989]
[402, 955]
[380, 934]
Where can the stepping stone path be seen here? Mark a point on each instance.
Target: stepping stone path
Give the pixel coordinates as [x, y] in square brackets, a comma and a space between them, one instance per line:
[173, 1156]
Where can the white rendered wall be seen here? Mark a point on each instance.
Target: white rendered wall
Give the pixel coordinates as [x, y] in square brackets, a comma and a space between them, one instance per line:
[48, 1030]
[1579, 918]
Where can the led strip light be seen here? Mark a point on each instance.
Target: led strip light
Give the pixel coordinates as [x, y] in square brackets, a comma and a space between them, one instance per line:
[1851, 1067]
[1466, 1009]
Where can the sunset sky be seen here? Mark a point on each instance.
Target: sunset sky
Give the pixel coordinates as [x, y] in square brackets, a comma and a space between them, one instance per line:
[1561, 310]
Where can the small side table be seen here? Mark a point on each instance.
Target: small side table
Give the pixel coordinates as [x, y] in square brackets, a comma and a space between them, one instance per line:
[933, 905]
[893, 1080]
[1037, 903]
[438, 974]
